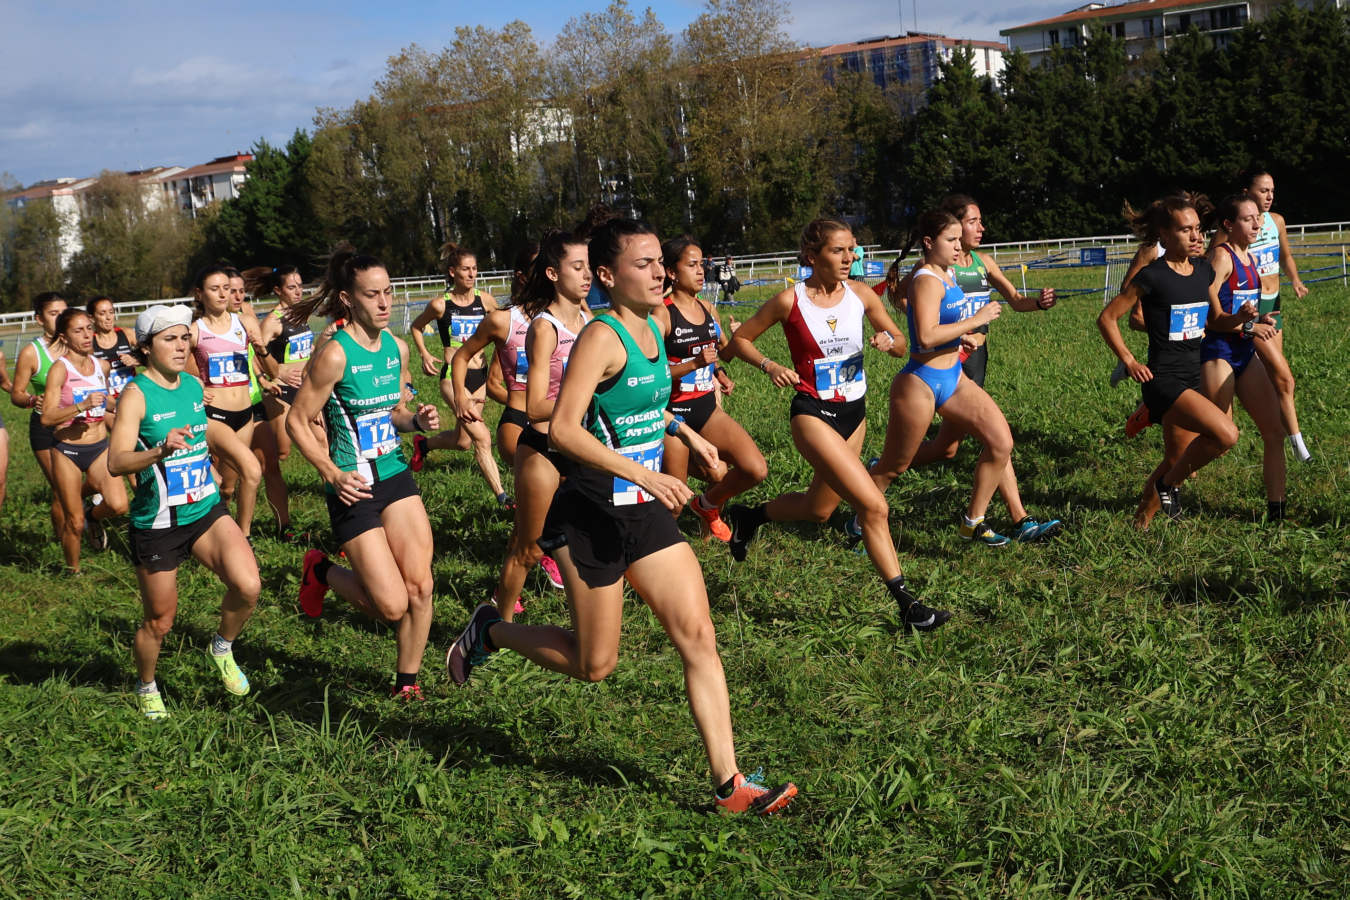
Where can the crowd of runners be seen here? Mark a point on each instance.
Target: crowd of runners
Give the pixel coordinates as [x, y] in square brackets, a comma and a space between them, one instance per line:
[608, 413]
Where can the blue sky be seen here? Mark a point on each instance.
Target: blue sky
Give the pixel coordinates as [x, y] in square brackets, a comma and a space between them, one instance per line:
[91, 86]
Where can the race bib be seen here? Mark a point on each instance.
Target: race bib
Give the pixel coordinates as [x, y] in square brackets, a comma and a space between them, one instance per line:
[375, 434]
[522, 366]
[118, 379]
[1240, 298]
[188, 480]
[93, 413]
[462, 328]
[1187, 321]
[700, 380]
[299, 346]
[626, 493]
[227, 369]
[974, 303]
[840, 377]
[1267, 258]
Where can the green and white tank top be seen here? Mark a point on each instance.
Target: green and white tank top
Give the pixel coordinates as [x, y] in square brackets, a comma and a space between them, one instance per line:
[973, 280]
[361, 434]
[38, 383]
[627, 415]
[179, 489]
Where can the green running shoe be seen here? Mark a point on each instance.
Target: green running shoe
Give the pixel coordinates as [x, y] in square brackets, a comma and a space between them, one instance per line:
[980, 533]
[151, 706]
[236, 682]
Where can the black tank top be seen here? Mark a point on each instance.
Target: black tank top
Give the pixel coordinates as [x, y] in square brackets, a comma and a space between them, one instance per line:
[685, 341]
[1175, 310]
[457, 323]
[281, 347]
[119, 374]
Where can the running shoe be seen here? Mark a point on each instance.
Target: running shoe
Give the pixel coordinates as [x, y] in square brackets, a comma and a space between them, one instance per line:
[468, 651]
[916, 616]
[1029, 529]
[1119, 374]
[750, 795]
[506, 501]
[94, 532]
[289, 534]
[1169, 500]
[1138, 421]
[550, 567]
[151, 706]
[981, 533]
[742, 530]
[853, 528]
[311, 588]
[420, 451]
[711, 517]
[236, 682]
[408, 694]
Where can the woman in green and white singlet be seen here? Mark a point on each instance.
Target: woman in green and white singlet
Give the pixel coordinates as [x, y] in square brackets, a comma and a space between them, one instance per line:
[374, 506]
[612, 520]
[30, 383]
[161, 432]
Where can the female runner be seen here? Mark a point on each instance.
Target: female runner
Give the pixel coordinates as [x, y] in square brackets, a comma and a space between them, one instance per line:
[1174, 293]
[30, 385]
[823, 320]
[220, 352]
[933, 380]
[1272, 253]
[376, 512]
[613, 519]
[551, 300]
[162, 431]
[73, 407]
[694, 341]
[112, 345]
[457, 314]
[1227, 356]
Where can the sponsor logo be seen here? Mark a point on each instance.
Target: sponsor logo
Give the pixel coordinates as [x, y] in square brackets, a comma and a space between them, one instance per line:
[832, 322]
[640, 418]
[683, 331]
[159, 417]
[364, 367]
[392, 363]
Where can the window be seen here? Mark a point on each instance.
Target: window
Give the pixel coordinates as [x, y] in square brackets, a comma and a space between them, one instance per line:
[1053, 37]
[1148, 28]
[1118, 30]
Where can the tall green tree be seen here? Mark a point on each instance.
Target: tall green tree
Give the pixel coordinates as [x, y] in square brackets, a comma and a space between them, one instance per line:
[30, 254]
[272, 220]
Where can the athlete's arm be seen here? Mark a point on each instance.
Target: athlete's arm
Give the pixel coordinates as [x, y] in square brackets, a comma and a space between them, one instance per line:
[894, 341]
[540, 342]
[926, 300]
[123, 457]
[1108, 325]
[425, 417]
[53, 413]
[597, 355]
[496, 381]
[24, 368]
[494, 329]
[742, 342]
[1287, 258]
[1146, 254]
[1016, 299]
[433, 310]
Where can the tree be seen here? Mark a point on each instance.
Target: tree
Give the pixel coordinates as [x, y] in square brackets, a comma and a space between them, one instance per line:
[272, 220]
[30, 253]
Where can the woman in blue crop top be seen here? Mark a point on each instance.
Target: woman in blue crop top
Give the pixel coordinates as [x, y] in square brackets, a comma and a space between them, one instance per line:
[939, 315]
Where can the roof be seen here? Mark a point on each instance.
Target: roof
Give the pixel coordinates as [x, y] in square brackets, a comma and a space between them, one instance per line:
[1096, 11]
[44, 189]
[236, 163]
[905, 39]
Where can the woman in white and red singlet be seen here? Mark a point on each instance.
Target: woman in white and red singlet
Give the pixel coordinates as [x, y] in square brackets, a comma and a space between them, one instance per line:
[822, 318]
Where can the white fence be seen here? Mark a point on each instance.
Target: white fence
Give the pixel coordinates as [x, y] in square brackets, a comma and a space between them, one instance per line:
[18, 327]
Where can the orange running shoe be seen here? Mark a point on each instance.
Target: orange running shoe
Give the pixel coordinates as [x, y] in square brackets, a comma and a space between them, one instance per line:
[712, 518]
[1138, 421]
[750, 795]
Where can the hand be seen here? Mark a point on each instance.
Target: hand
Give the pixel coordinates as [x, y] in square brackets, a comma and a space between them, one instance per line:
[428, 417]
[350, 487]
[969, 344]
[291, 376]
[883, 341]
[782, 376]
[255, 338]
[37, 402]
[724, 381]
[1262, 332]
[1247, 312]
[129, 362]
[466, 408]
[701, 448]
[989, 312]
[174, 441]
[270, 388]
[732, 324]
[430, 365]
[94, 401]
[1138, 371]
[1300, 290]
[669, 490]
[1046, 299]
[208, 396]
[707, 356]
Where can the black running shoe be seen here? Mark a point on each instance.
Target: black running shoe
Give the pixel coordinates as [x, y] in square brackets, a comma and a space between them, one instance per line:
[917, 617]
[468, 651]
[743, 529]
[1169, 500]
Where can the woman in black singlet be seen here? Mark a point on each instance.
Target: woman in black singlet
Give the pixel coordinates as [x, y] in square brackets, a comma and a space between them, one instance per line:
[1174, 293]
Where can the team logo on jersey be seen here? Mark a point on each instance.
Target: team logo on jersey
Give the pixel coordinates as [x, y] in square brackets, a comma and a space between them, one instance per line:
[832, 322]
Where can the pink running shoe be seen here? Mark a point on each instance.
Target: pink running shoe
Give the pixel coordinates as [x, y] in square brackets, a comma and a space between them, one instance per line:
[551, 570]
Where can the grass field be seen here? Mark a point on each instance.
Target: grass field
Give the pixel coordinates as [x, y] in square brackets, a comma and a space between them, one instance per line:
[1115, 713]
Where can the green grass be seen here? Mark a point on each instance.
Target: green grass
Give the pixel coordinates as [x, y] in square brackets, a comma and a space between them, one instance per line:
[1155, 714]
